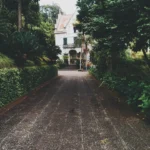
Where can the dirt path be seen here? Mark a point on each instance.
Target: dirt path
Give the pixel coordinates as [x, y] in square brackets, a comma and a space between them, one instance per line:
[71, 113]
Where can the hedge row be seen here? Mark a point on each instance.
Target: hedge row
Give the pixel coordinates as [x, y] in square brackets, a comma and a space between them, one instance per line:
[17, 82]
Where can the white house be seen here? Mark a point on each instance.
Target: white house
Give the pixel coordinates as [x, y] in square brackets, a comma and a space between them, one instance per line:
[65, 37]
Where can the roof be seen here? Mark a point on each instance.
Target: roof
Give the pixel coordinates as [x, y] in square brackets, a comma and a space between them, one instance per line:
[62, 22]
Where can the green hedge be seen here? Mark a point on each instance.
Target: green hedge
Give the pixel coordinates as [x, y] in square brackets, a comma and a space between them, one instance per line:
[17, 82]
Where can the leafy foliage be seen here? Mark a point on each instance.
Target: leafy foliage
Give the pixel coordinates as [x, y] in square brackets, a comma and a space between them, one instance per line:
[17, 82]
[29, 47]
[36, 37]
[30, 11]
[23, 46]
[50, 13]
[60, 64]
[117, 25]
[113, 28]
[6, 62]
[136, 92]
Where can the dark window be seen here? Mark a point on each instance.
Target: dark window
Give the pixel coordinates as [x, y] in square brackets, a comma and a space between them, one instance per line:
[75, 29]
[65, 41]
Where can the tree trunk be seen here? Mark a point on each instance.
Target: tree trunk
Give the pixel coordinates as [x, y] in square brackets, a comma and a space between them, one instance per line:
[81, 59]
[19, 15]
[82, 36]
[146, 58]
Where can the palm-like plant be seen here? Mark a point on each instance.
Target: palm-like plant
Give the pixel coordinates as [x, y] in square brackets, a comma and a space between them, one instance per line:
[79, 42]
[84, 41]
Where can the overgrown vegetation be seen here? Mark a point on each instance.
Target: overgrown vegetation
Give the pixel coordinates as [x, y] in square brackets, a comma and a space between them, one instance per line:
[17, 82]
[60, 64]
[6, 62]
[27, 47]
[116, 27]
[32, 37]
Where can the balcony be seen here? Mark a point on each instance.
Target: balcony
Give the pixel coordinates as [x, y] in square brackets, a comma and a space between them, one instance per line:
[70, 46]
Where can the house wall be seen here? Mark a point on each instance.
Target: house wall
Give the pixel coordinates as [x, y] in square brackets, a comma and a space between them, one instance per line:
[59, 38]
[69, 34]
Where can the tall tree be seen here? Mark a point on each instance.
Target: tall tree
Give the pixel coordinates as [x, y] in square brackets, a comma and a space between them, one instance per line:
[50, 12]
[19, 15]
[116, 23]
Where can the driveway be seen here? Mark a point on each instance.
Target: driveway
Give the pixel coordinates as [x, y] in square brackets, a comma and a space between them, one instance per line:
[72, 113]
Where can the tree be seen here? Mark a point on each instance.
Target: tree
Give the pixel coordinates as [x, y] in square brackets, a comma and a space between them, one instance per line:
[50, 12]
[31, 13]
[113, 28]
[28, 14]
[45, 33]
[83, 41]
[35, 38]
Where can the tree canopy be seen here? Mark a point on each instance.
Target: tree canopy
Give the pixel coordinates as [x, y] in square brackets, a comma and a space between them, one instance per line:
[36, 37]
[50, 12]
[115, 24]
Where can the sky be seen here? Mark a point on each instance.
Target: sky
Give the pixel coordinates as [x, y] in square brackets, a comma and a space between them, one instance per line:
[68, 6]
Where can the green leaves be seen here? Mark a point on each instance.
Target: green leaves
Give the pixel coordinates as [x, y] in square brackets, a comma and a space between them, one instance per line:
[50, 13]
[136, 92]
[37, 34]
[116, 23]
[6, 62]
[17, 82]
[145, 99]
[24, 42]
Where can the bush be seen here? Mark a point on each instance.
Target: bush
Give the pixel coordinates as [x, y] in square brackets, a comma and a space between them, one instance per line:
[137, 92]
[23, 46]
[6, 62]
[17, 82]
[145, 100]
[60, 64]
[29, 63]
[78, 63]
[41, 61]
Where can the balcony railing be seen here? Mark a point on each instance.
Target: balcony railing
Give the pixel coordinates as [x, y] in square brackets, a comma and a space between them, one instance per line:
[70, 46]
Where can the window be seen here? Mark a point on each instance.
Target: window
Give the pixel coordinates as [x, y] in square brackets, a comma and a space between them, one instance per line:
[75, 29]
[65, 41]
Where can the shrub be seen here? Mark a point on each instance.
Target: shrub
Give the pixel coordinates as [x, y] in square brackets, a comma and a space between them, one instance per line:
[145, 100]
[5, 62]
[137, 92]
[23, 46]
[17, 82]
[40, 61]
[60, 64]
[29, 63]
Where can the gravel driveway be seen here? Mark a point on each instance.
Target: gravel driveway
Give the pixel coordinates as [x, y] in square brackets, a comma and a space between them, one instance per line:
[72, 113]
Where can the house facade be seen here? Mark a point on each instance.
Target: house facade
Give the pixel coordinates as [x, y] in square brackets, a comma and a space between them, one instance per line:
[65, 37]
